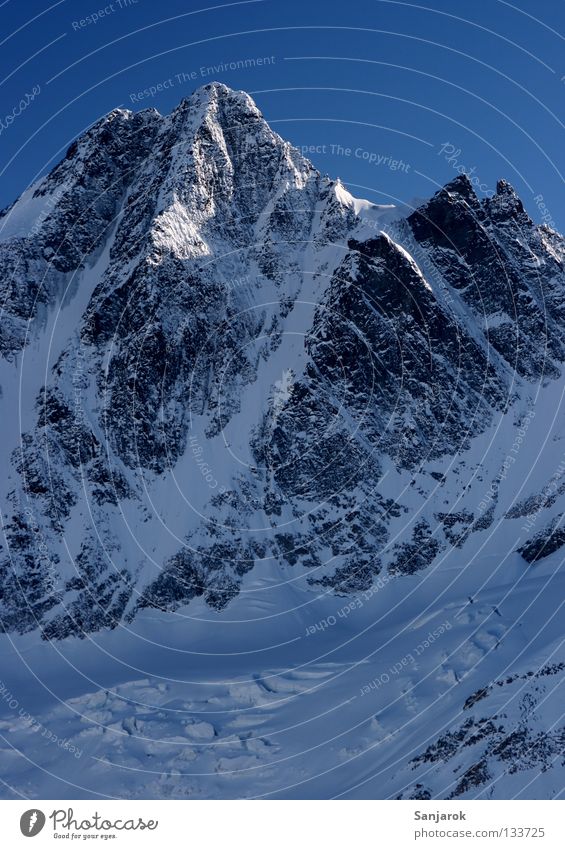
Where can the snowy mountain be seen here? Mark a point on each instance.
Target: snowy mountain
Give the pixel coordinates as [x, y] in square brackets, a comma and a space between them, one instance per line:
[246, 414]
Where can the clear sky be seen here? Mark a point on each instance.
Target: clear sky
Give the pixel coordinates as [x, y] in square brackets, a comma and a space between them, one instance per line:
[393, 97]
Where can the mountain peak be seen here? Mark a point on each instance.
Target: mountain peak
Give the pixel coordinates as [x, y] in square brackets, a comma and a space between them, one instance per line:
[503, 187]
[462, 186]
[505, 203]
[227, 381]
[217, 98]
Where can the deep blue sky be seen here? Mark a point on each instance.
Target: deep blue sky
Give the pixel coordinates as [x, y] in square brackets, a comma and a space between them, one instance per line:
[392, 79]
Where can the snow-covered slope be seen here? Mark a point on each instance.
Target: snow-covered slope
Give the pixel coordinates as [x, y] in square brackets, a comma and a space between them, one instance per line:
[290, 461]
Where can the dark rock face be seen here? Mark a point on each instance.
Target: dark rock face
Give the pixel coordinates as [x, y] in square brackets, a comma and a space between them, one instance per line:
[415, 555]
[75, 208]
[210, 258]
[545, 542]
[27, 576]
[398, 355]
[503, 268]
[101, 593]
[493, 741]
